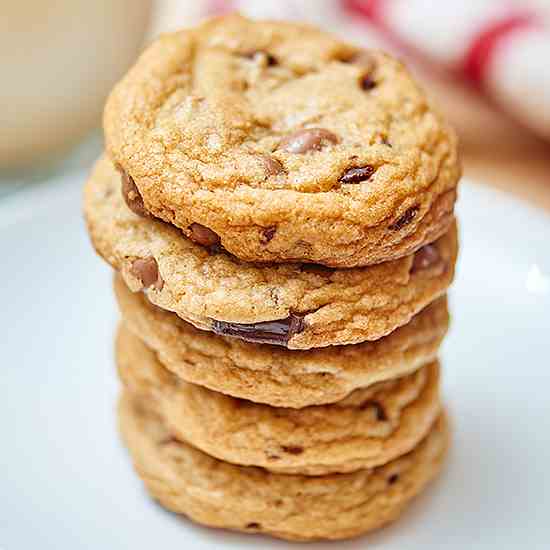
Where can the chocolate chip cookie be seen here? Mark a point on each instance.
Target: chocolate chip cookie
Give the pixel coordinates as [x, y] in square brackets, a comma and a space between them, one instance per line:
[368, 428]
[244, 498]
[299, 306]
[272, 374]
[278, 142]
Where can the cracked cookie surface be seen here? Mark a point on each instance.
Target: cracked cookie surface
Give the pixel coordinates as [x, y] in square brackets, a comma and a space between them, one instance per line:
[272, 374]
[282, 143]
[368, 428]
[299, 306]
[245, 498]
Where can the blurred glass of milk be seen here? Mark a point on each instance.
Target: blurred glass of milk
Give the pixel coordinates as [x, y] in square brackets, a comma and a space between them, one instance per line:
[58, 61]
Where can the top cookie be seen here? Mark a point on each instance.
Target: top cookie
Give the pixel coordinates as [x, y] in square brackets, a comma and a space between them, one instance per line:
[282, 143]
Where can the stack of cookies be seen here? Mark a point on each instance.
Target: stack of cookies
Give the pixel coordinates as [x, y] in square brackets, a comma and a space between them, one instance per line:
[283, 244]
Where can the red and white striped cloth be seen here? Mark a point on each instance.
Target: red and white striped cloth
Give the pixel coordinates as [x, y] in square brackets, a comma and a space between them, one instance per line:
[499, 46]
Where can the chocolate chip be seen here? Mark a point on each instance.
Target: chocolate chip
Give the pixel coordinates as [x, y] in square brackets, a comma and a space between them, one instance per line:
[367, 82]
[272, 166]
[293, 450]
[367, 62]
[268, 332]
[405, 219]
[357, 175]
[308, 139]
[132, 196]
[214, 249]
[253, 525]
[380, 412]
[393, 478]
[146, 270]
[202, 235]
[267, 234]
[425, 257]
[270, 60]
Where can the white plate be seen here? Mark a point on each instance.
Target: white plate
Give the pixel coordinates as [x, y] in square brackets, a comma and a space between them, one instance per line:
[66, 482]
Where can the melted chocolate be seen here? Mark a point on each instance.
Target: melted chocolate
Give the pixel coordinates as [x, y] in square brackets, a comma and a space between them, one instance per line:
[202, 235]
[147, 271]
[357, 175]
[367, 82]
[293, 450]
[307, 139]
[132, 196]
[405, 219]
[267, 234]
[393, 479]
[272, 166]
[277, 332]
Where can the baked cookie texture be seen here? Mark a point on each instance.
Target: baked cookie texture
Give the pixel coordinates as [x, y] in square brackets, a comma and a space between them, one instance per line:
[281, 143]
[299, 306]
[272, 374]
[278, 207]
[368, 428]
[244, 498]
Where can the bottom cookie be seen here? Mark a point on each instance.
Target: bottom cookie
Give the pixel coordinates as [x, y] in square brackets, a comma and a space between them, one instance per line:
[294, 507]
